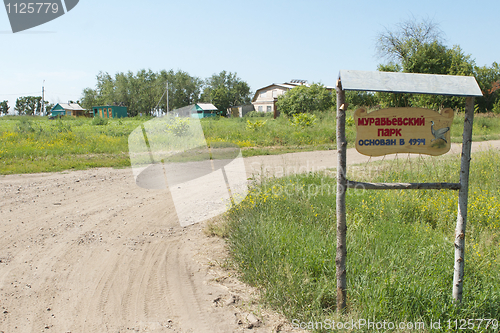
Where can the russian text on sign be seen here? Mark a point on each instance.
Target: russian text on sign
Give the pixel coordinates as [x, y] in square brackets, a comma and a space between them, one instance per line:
[419, 131]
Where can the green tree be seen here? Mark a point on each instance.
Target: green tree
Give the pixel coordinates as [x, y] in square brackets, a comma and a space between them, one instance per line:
[122, 92]
[4, 107]
[48, 106]
[144, 91]
[432, 58]
[305, 99]
[488, 78]
[89, 98]
[183, 89]
[147, 91]
[28, 105]
[103, 94]
[225, 90]
[361, 99]
[400, 44]
[105, 89]
[417, 47]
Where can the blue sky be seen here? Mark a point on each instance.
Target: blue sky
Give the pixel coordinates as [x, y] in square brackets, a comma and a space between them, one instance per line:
[263, 41]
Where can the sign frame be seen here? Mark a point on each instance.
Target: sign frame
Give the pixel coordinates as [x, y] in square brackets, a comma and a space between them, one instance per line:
[461, 86]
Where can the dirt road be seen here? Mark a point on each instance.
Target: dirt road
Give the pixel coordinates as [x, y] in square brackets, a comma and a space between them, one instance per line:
[89, 251]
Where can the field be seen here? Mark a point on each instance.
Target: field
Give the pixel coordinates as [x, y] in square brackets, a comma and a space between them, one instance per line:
[35, 144]
[400, 245]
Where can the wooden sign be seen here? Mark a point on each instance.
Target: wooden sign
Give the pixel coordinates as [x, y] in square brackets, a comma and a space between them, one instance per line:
[403, 130]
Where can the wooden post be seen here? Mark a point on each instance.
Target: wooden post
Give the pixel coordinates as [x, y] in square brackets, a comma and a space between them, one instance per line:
[402, 186]
[340, 259]
[458, 274]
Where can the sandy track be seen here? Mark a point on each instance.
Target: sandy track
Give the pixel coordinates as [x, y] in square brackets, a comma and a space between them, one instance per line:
[89, 251]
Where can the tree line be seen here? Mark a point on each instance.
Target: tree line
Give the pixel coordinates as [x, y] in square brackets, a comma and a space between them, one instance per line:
[145, 92]
[26, 106]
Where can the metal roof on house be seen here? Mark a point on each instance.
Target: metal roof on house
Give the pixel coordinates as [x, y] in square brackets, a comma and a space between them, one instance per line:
[287, 85]
[281, 85]
[71, 106]
[393, 82]
[206, 106]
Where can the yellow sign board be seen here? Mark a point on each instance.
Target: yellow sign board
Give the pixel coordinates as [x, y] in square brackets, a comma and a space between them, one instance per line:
[403, 130]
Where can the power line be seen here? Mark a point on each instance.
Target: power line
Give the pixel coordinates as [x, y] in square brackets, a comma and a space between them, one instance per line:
[36, 92]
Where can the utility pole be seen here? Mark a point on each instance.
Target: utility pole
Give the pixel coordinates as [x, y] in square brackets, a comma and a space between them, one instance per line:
[157, 105]
[42, 107]
[167, 98]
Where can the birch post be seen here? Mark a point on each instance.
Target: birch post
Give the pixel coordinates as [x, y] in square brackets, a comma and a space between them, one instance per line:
[458, 274]
[402, 186]
[340, 259]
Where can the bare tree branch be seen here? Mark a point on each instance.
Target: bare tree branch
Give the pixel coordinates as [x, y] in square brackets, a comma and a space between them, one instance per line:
[400, 43]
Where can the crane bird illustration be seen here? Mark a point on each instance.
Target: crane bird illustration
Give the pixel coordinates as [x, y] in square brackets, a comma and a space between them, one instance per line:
[439, 133]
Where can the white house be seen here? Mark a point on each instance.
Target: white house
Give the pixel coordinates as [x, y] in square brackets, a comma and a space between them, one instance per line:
[265, 97]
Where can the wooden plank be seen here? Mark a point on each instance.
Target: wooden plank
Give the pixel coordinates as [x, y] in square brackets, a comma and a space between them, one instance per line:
[463, 198]
[403, 130]
[340, 259]
[402, 186]
[450, 85]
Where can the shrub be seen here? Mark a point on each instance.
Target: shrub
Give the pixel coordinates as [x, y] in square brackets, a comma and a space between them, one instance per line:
[25, 126]
[496, 107]
[179, 126]
[62, 126]
[303, 99]
[253, 126]
[98, 121]
[349, 121]
[303, 120]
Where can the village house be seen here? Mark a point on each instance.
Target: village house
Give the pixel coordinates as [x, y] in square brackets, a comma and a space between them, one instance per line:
[265, 98]
[68, 109]
[110, 111]
[200, 110]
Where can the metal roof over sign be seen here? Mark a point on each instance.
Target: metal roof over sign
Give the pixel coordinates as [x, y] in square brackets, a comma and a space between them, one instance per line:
[451, 85]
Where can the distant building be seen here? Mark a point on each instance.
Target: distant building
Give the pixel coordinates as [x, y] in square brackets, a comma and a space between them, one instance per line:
[200, 110]
[109, 111]
[264, 98]
[68, 109]
[241, 110]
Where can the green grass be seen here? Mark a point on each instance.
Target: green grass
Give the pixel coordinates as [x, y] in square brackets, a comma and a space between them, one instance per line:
[36, 144]
[273, 133]
[486, 127]
[400, 246]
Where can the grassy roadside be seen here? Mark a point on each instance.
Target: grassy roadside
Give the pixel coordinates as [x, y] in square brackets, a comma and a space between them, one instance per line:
[35, 144]
[400, 247]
